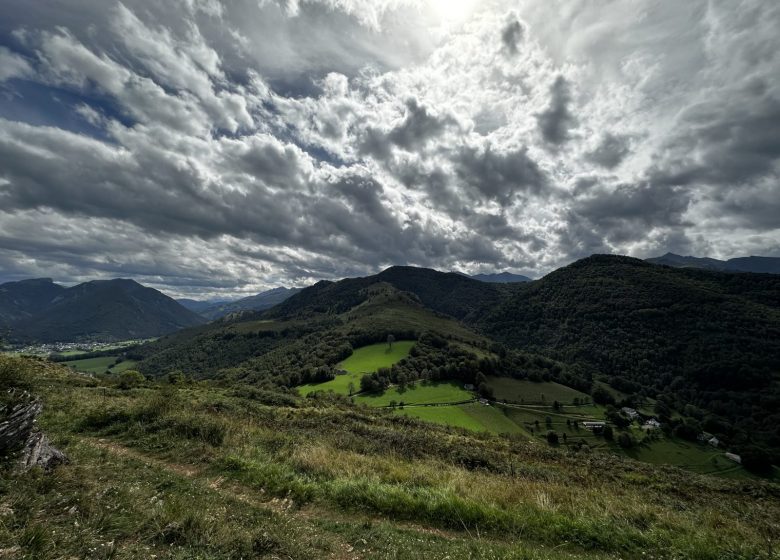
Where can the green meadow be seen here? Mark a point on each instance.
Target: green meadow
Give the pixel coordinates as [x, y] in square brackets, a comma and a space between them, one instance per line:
[472, 416]
[364, 360]
[420, 393]
[531, 392]
[100, 365]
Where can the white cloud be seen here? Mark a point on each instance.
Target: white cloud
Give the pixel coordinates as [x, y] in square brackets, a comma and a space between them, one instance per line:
[319, 138]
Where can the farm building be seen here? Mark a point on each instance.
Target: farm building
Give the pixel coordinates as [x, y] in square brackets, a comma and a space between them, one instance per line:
[734, 457]
[651, 424]
[630, 412]
[713, 441]
[593, 425]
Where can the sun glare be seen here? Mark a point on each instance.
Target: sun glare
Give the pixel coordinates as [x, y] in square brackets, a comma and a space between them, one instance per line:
[452, 11]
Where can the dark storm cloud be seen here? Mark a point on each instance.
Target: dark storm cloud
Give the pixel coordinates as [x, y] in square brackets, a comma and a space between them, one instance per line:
[512, 35]
[498, 176]
[627, 212]
[556, 121]
[418, 127]
[611, 151]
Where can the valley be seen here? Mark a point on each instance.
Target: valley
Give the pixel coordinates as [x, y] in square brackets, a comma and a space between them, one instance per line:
[415, 409]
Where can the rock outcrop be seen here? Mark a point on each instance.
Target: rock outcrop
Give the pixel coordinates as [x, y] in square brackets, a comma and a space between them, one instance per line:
[19, 434]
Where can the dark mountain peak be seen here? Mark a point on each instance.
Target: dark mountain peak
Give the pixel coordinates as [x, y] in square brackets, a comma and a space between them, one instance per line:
[116, 309]
[34, 281]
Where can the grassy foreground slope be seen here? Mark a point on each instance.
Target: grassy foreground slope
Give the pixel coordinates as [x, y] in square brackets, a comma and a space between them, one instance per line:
[200, 471]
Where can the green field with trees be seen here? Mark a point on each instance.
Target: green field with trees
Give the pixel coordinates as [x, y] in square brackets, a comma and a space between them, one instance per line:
[367, 359]
[207, 470]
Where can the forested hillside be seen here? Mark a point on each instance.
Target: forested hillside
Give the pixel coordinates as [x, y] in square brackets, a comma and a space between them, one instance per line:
[708, 341]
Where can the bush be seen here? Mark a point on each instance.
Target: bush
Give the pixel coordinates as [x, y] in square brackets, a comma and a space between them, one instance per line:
[552, 438]
[129, 379]
[15, 373]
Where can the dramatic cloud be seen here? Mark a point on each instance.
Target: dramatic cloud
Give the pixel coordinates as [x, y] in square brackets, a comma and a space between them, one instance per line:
[557, 119]
[213, 148]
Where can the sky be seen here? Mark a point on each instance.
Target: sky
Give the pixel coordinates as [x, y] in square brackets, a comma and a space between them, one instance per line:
[214, 149]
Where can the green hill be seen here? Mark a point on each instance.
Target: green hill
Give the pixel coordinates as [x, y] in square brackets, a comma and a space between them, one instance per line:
[200, 470]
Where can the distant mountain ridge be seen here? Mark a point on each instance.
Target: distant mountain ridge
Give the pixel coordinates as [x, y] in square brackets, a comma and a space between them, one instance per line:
[766, 265]
[39, 310]
[258, 302]
[501, 278]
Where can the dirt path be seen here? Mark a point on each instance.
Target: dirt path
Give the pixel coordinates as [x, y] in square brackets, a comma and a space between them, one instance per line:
[285, 507]
[230, 491]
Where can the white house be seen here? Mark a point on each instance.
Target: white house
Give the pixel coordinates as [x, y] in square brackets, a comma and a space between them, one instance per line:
[713, 441]
[652, 424]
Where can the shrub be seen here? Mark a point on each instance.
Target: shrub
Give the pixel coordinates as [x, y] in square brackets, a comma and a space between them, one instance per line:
[129, 379]
[552, 438]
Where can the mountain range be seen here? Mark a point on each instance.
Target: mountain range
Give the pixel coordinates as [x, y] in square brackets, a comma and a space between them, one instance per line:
[39, 310]
[769, 265]
[258, 302]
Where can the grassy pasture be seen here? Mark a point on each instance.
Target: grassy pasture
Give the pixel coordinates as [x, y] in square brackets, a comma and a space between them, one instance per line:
[100, 365]
[522, 390]
[363, 360]
[472, 416]
[455, 416]
[421, 393]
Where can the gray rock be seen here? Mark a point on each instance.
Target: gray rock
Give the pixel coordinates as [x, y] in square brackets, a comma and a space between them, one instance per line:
[18, 430]
[39, 452]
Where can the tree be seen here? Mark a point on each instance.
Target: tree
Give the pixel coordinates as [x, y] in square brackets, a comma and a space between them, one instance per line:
[608, 433]
[602, 396]
[564, 437]
[351, 388]
[756, 459]
[390, 340]
[625, 440]
[552, 438]
[556, 406]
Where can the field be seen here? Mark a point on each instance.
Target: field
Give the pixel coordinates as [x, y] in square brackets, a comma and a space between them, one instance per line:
[696, 457]
[422, 392]
[363, 360]
[530, 392]
[202, 471]
[100, 365]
